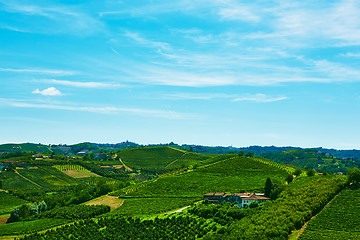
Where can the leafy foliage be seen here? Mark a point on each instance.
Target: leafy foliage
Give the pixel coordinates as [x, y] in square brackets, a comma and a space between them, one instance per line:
[223, 214]
[26, 210]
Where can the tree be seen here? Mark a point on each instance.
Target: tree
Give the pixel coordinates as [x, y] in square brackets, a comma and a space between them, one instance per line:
[289, 178]
[268, 187]
[241, 153]
[249, 154]
[297, 172]
[253, 204]
[353, 176]
[310, 172]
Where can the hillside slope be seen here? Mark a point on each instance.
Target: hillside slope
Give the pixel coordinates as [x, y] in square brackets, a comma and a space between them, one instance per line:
[230, 175]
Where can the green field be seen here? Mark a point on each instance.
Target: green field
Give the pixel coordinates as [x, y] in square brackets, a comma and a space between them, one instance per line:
[339, 220]
[9, 202]
[146, 206]
[17, 228]
[231, 175]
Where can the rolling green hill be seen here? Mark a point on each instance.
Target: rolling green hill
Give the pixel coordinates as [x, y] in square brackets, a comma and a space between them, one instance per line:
[230, 175]
[25, 147]
[157, 158]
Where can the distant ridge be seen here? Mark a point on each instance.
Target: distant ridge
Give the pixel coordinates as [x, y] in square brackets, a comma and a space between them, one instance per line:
[256, 150]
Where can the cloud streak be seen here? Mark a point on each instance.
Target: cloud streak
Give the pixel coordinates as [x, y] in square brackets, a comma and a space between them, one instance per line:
[60, 18]
[51, 91]
[81, 84]
[108, 110]
[259, 98]
[37, 71]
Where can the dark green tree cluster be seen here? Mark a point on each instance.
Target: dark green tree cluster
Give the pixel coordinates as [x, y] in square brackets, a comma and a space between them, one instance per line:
[353, 175]
[223, 214]
[26, 210]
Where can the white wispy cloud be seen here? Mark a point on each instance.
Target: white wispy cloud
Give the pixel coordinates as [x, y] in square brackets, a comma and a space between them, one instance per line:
[38, 71]
[80, 84]
[350, 54]
[260, 98]
[61, 18]
[146, 42]
[51, 91]
[98, 109]
[238, 13]
[305, 24]
[200, 96]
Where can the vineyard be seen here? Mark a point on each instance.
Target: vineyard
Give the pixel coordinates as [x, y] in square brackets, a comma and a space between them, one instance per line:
[145, 206]
[74, 212]
[284, 167]
[338, 220]
[46, 177]
[26, 227]
[296, 205]
[8, 202]
[232, 175]
[75, 171]
[131, 228]
[11, 180]
[157, 158]
[69, 167]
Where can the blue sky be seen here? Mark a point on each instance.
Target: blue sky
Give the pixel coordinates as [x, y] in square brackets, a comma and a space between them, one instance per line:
[216, 72]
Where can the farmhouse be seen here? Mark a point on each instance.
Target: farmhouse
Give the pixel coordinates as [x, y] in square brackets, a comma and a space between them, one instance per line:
[37, 155]
[242, 199]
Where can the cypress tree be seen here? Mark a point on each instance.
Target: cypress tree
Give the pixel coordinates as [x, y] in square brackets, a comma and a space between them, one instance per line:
[268, 187]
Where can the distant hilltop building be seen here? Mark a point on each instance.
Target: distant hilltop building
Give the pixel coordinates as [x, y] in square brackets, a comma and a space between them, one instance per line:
[83, 152]
[242, 199]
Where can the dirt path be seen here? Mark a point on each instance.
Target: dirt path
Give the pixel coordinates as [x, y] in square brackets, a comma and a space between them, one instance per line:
[176, 159]
[27, 179]
[126, 167]
[179, 210]
[180, 150]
